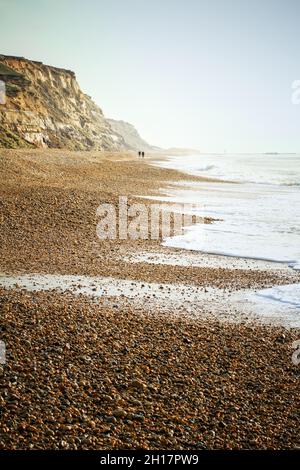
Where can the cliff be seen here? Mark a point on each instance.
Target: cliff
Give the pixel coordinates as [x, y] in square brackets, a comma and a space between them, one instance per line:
[43, 106]
[130, 135]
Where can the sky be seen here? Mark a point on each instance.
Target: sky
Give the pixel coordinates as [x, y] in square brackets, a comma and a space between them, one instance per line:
[213, 75]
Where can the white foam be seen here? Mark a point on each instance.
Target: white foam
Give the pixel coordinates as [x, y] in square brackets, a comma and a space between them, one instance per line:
[203, 260]
[268, 305]
[280, 169]
[258, 214]
[278, 304]
[97, 287]
[253, 221]
[289, 294]
[295, 266]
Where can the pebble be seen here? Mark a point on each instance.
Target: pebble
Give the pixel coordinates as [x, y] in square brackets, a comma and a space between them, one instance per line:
[80, 373]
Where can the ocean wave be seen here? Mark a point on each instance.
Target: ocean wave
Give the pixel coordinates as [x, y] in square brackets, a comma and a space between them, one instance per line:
[241, 180]
[206, 168]
[288, 294]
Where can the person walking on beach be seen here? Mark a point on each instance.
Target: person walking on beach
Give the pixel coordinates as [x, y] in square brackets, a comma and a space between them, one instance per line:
[140, 153]
[143, 154]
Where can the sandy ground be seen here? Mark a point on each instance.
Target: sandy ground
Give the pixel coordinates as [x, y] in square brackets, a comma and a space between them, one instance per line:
[106, 373]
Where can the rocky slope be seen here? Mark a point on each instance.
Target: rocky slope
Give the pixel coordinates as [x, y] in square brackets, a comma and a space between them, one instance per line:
[130, 135]
[43, 106]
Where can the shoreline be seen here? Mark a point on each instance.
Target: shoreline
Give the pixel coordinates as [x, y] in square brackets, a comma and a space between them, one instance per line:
[72, 361]
[32, 189]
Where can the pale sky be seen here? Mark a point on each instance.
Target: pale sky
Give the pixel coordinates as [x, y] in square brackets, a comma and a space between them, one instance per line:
[213, 74]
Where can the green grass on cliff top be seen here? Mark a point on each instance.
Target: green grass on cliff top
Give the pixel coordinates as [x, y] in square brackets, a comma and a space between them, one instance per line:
[5, 70]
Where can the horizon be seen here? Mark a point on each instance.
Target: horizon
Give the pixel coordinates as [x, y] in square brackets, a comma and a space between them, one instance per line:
[150, 231]
[146, 66]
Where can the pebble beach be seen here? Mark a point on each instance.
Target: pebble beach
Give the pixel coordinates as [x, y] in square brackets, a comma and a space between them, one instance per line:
[165, 368]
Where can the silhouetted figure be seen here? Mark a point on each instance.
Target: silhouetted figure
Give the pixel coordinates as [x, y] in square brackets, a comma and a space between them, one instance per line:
[143, 154]
[140, 153]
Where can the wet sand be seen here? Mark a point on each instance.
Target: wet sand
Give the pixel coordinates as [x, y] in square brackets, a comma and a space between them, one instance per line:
[72, 359]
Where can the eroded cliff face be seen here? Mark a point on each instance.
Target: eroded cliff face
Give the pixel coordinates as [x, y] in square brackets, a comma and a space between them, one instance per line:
[130, 135]
[45, 107]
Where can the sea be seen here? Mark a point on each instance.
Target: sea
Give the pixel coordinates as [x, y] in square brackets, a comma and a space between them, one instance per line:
[255, 201]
